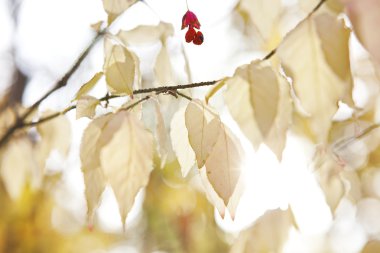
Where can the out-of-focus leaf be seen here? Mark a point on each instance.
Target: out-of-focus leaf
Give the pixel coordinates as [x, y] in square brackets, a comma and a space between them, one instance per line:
[120, 68]
[214, 89]
[55, 135]
[268, 234]
[17, 166]
[88, 86]
[127, 159]
[163, 69]
[94, 179]
[365, 18]
[259, 100]
[180, 142]
[97, 26]
[86, 106]
[315, 55]
[264, 16]
[335, 6]
[163, 140]
[371, 247]
[146, 34]
[115, 7]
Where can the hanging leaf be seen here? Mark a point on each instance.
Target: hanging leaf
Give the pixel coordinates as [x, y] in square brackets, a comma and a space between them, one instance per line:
[268, 234]
[163, 69]
[180, 142]
[259, 100]
[115, 7]
[88, 86]
[120, 68]
[86, 106]
[127, 158]
[315, 55]
[94, 178]
[203, 127]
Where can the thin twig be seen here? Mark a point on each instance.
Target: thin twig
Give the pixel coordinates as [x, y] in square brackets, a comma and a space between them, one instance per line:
[345, 142]
[184, 96]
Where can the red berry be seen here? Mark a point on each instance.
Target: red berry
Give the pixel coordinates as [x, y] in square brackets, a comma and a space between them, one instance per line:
[198, 40]
[190, 20]
[190, 35]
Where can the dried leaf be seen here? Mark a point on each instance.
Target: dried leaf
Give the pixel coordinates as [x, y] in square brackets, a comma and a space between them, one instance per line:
[259, 100]
[94, 179]
[17, 166]
[89, 85]
[115, 7]
[86, 106]
[269, 233]
[180, 142]
[146, 34]
[55, 135]
[203, 127]
[315, 55]
[120, 67]
[127, 159]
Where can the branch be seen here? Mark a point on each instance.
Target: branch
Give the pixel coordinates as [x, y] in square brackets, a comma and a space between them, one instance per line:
[20, 122]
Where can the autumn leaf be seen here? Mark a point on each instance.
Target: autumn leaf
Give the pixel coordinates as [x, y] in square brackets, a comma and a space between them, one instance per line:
[88, 85]
[115, 7]
[86, 106]
[259, 100]
[315, 55]
[268, 234]
[121, 67]
[163, 69]
[127, 158]
[94, 178]
[180, 142]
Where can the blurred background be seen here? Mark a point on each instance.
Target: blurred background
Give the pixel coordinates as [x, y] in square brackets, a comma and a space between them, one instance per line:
[41, 39]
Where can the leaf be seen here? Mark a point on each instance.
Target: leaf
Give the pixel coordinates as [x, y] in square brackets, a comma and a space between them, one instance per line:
[315, 55]
[259, 100]
[364, 16]
[203, 127]
[88, 86]
[224, 164]
[214, 89]
[97, 26]
[146, 34]
[115, 7]
[163, 69]
[372, 246]
[127, 159]
[86, 106]
[335, 6]
[121, 68]
[268, 234]
[55, 135]
[94, 178]
[17, 166]
[264, 16]
[180, 142]
[163, 141]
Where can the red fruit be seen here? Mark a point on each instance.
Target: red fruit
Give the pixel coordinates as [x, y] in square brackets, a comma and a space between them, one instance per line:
[190, 20]
[190, 35]
[198, 40]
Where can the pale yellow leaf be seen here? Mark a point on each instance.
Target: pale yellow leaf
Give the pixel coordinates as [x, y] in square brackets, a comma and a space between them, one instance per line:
[97, 26]
[121, 68]
[163, 69]
[86, 106]
[94, 179]
[17, 166]
[163, 141]
[180, 142]
[315, 56]
[372, 246]
[127, 159]
[146, 34]
[224, 163]
[334, 6]
[203, 127]
[268, 234]
[89, 85]
[115, 7]
[55, 135]
[259, 100]
[365, 18]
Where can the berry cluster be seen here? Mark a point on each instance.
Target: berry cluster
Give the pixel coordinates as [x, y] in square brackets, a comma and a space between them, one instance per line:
[190, 20]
